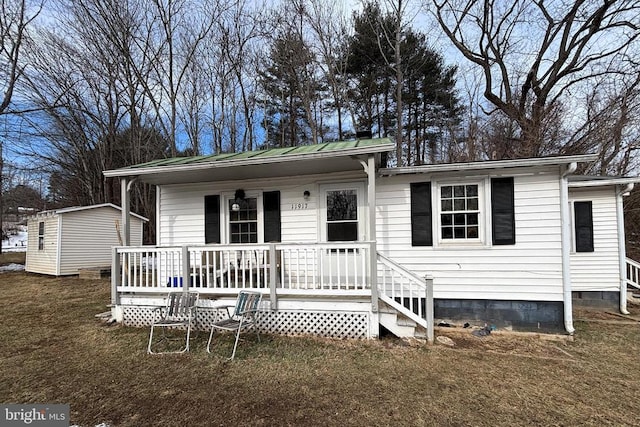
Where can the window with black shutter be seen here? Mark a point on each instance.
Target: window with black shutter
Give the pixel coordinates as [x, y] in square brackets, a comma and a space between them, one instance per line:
[502, 212]
[212, 219]
[583, 221]
[421, 227]
[272, 223]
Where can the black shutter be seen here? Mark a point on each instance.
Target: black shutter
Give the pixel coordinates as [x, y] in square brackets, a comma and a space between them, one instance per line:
[421, 230]
[271, 205]
[583, 226]
[502, 212]
[212, 219]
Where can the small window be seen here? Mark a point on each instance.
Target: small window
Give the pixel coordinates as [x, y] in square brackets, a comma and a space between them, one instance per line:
[41, 236]
[583, 226]
[459, 212]
[243, 220]
[342, 215]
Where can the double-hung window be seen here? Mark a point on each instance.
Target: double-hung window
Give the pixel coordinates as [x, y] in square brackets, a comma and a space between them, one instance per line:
[462, 214]
[41, 236]
[459, 212]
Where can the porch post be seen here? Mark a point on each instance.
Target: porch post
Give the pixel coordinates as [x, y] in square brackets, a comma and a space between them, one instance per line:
[273, 276]
[186, 274]
[373, 252]
[115, 282]
[125, 205]
[429, 307]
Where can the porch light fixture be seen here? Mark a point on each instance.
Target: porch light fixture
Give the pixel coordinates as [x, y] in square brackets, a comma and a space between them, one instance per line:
[306, 194]
[239, 196]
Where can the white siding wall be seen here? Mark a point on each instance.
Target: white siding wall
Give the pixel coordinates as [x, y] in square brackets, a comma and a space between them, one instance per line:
[529, 270]
[42, 261]
[597, 270]
[88, 236]
[182, 207]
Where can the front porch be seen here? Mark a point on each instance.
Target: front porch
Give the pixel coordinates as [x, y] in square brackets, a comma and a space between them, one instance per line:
[341, 290]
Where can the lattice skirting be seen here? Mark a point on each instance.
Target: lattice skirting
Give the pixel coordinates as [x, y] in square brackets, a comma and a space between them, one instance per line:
[319, 323]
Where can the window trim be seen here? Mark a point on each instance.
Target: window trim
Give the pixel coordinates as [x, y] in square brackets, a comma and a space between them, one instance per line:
[482, 214]
[361, 195]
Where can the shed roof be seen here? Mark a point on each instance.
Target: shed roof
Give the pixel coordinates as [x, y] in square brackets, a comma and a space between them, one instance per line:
[62, 211]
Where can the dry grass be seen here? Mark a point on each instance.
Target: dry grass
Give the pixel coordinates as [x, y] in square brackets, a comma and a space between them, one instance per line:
[7, 258]
[54, 350]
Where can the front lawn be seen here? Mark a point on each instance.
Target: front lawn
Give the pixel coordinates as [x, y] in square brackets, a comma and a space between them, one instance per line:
[54, 350]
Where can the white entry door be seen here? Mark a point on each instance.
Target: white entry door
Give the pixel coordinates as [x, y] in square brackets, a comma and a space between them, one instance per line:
[342, 219]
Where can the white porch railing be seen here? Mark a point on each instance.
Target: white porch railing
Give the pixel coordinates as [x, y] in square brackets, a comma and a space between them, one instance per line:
[320, 269]
[291, 267]
[406, 293]
[633, 273]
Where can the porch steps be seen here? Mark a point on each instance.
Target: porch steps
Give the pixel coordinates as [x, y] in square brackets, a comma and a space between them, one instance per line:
[397, 324]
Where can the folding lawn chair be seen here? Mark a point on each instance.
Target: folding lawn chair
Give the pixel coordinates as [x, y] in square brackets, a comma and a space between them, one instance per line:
[243, 318]
[180, 311]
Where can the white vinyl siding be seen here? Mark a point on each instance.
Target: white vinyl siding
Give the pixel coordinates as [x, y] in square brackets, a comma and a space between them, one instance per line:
[78, 239]
[42, 261]
[529, 270]
[181, 218]
[87, 237]
[597, 270]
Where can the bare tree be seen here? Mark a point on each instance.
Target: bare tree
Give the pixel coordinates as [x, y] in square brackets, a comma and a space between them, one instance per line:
[230, 57]
[329, 36]
[183, 25]
[15, 19]
[16, 16]
[390, 39]
[533, 54]
[612, 128]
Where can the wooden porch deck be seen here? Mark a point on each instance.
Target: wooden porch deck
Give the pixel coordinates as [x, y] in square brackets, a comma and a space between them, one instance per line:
[329, 289]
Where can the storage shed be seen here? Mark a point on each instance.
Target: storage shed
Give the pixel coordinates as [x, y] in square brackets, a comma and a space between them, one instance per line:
[64, 241]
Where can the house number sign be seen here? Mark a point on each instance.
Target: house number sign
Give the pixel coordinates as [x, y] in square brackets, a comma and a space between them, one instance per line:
[299, 206]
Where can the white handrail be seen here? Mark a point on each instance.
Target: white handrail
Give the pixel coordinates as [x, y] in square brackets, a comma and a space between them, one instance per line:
[633, 273]
[406, 292]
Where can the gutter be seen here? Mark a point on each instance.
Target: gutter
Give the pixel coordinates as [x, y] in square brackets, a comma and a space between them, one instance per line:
[622, 255]
[489, 164]
[566, 247]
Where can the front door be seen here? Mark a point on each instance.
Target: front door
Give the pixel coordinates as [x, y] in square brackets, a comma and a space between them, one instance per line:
[342, 219]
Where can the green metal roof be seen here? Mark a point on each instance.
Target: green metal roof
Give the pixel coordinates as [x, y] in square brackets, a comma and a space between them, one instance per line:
[327, 149]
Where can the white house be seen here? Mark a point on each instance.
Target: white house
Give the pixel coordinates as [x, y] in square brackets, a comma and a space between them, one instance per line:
[63, 241]
[341, 244]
